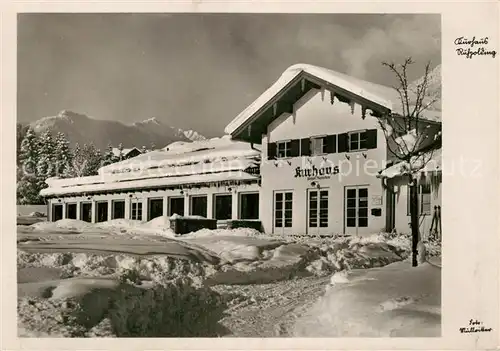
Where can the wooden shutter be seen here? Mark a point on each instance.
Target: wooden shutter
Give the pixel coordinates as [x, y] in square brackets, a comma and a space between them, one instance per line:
[294, 148]
[331, 144]
[271, 151]
[305, 147]
[371, 139]
[343, 142]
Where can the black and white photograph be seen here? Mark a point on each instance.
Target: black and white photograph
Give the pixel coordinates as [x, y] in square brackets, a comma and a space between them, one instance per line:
[232, 175]
[229, 175]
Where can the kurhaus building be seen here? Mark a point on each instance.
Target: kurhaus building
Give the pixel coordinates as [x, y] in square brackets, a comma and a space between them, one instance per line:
[308, 156]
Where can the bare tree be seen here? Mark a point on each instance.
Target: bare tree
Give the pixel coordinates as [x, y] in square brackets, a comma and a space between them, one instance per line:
[412, 139]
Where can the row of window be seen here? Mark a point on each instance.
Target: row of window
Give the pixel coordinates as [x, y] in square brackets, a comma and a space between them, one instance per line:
[326, 144]
[356, 207]
[198, 206]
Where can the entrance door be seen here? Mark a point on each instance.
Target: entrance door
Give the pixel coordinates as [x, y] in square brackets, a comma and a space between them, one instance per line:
[101, 211]
[356, 210]
[86, 212]
[57, 212]
[155, 208]
[317, 216]
[176, 206]
[283, 212]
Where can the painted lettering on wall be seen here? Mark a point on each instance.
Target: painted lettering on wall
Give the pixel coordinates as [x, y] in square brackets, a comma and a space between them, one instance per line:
[316, 173]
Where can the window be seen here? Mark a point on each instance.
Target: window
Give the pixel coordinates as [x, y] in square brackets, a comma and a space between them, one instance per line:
[118, 209]
[57, 212]
[318, 146]
[223, 206]
[249, 206]
[318, 208]
[155, 208]
[71, 211]
[176, 206]
[357, 141]
[101, 211]
[199, 206]
[283, 209]
[136, 212]
[424, 200]
[284, 149]
[86, 212]
[356, 207]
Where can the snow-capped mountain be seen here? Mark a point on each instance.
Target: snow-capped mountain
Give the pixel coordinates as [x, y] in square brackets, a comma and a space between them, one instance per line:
[80, 128]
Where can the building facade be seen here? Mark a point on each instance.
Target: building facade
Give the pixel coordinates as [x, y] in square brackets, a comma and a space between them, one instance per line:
[216, 178]
[324, 152]
[309, 156]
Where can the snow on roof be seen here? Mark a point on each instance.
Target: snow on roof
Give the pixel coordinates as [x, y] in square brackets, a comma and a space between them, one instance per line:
[433, 160]
[116, 151]
[150, 183]
[385, 96]
[175, 164]
[187, 153]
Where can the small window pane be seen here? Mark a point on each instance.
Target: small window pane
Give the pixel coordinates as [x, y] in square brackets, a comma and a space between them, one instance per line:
[351, 213]
[351, 193]
[363, 222]
[353, 145]
[363, 144]
[363, 212]
[279, 196]
[351, 222]
[288, 196]
[363, 192]
[288, 222]
[354, 137]
[351, 203]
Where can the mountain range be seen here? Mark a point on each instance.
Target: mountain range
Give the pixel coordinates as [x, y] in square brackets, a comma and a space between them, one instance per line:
[81, 129]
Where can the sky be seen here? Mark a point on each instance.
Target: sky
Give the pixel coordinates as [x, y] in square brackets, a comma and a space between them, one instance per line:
[199, 71]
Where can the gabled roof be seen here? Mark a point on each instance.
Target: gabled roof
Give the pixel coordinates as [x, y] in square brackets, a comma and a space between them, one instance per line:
[374, 96]
[125, 152]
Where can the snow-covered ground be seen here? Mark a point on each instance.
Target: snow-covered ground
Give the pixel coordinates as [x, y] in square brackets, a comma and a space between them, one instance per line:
[262, 278]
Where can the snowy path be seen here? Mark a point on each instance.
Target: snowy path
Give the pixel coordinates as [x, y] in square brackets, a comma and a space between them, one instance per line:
[270, 310]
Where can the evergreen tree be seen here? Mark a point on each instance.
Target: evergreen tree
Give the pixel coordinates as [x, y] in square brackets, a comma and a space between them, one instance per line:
[62, 156]
[77, 162]
[153, 146]
[94, 160]
[28, 185]
[120, 149]
[143, 149]
[109, 156]
[46, 160]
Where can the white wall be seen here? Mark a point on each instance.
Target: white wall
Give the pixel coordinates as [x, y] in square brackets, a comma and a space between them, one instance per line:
[315, 115]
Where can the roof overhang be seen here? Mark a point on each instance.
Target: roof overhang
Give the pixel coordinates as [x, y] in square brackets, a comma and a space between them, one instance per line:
[250, 128]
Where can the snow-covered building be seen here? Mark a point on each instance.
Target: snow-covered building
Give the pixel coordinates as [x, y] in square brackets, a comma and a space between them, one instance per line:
[215, 178]
[324, 151]
[308, 156]
[126, 153]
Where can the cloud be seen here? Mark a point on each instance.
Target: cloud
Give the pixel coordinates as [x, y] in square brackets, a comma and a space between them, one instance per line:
[417, 36]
